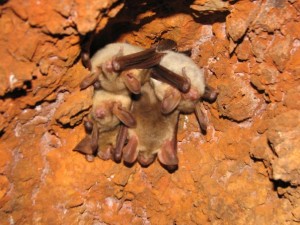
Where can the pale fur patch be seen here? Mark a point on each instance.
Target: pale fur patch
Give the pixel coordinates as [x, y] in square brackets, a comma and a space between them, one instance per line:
[177, 61]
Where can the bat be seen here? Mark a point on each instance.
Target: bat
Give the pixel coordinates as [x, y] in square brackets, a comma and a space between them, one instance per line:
[154, 134]
[132, 118]
[188, 100]
[109, 109]
[120, 66]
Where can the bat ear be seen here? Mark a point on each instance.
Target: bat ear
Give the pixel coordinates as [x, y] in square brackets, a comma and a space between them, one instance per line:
[120, 142]
[181, 83]
[201, 116]
[94, 139]
[170, 101]
[88, 81]
[124, 115]
[210, 94]
[130, 151]
[133, 84]
[168, 154]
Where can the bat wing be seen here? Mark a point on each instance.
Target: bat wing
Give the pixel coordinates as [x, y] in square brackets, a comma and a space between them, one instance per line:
[130, 151]
[201, 117]
[144, 59]
[168, 153]
[120, 142]
[140, 60]
[182, 83]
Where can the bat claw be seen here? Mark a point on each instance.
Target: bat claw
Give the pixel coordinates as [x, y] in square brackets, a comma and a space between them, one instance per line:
[166, 44]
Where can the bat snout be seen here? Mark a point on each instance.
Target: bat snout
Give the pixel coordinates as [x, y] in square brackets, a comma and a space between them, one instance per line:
[193, 94]
[108, 66]
[100, 113]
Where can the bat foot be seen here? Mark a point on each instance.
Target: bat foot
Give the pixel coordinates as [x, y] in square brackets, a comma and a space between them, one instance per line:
[89, 158]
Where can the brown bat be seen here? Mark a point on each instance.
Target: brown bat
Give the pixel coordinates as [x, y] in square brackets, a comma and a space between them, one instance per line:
[186, 102]
[120, 66]
[109, 109]
[120, 69]
[111, 104]
[155, 133]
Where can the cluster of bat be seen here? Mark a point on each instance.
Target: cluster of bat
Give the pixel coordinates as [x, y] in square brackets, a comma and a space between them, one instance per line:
[138, 96]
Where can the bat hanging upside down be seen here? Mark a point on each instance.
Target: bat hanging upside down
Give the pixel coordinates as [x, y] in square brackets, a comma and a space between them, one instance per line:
[138, 95]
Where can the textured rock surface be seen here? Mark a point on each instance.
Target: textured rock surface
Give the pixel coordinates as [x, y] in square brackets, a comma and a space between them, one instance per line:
[245, 170]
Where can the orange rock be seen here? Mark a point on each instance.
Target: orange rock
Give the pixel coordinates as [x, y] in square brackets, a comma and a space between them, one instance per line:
[245, 170]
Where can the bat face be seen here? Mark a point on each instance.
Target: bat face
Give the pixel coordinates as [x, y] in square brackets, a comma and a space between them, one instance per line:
[155, 133]
[109, 109]
[105, 66]
[183, 66]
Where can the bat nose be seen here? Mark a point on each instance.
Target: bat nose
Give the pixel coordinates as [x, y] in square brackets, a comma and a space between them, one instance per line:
[100, 113]
[192, 95]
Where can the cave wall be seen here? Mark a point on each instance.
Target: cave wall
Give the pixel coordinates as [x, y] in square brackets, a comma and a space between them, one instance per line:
[245, 170]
